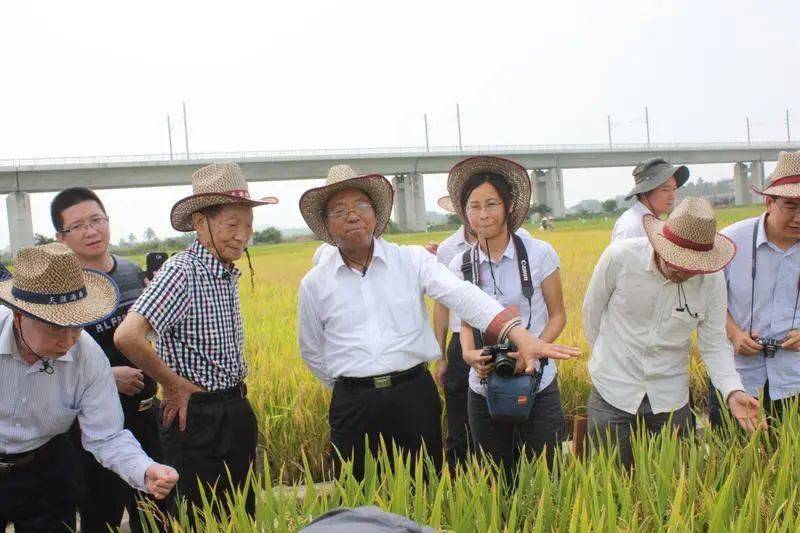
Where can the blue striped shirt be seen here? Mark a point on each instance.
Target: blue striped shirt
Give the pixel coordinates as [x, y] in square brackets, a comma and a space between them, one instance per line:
[193, 306]
[35, 406]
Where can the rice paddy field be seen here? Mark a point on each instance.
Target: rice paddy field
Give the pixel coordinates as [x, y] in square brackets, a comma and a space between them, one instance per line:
[714, 481]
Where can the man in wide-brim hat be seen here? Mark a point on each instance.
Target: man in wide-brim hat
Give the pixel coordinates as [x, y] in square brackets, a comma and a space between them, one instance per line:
[763, 293]
[655, 183]
[645, 298]
[192, 305]
[52, 372]
[363, 327]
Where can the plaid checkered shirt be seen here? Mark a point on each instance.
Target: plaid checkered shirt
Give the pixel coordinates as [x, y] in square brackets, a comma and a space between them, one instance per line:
[193, 306]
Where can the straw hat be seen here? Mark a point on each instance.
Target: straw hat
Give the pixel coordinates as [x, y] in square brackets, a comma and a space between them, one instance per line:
[653, 173]
[518, 180]
[341, 177]
[50, 285]
[446, 203]
[688, 240]
[785, 179]
[214, 184]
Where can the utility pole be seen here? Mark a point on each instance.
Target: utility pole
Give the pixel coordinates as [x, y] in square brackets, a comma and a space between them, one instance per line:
[169, 133]
[458, 119]
[647, 124]
[185, 130]
[788, 131]
[748, 129]
[609, 131]
[427, 144]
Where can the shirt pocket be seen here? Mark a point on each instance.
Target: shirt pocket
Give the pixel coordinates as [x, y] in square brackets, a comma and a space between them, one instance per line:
[680, 325]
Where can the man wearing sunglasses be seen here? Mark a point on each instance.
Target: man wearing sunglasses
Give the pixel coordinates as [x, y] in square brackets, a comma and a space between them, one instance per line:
[763, 290]
[655, 184]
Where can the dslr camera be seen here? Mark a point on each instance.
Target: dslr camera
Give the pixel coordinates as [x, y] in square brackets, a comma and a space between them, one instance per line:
[771, 346]
[504, 365]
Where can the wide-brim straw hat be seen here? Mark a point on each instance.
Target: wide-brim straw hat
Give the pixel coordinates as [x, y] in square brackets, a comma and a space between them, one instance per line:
[654, 173]
[49, 284]
[785, 179]
[688, 240]
[515, 174]
[214, 184]
[340, 178]
[446, 203]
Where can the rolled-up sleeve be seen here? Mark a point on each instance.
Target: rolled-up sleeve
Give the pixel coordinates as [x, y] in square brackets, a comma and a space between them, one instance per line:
[101, 423]
[712, 340]
[310, 334]
[601, 286]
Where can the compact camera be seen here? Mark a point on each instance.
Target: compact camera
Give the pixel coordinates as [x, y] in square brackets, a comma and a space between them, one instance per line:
[504, 365]
[771, 346]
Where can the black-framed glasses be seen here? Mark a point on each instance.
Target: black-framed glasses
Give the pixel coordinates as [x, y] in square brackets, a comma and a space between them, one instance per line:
[95, 222]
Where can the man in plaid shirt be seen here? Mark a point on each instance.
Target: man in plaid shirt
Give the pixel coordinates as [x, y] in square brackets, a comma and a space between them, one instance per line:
[192, 306]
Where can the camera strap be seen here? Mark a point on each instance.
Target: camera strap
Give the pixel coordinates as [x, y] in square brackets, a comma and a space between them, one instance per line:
[753, 282]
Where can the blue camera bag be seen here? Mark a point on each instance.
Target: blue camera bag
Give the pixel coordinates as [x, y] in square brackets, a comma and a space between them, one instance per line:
[511, 399]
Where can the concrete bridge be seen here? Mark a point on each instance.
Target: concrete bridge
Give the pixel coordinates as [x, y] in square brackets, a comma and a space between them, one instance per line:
[19, 178]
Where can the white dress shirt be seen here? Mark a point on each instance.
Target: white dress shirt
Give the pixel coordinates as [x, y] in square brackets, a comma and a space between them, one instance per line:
[543, 261]
[355, 326]
[777, 276]
[36, 406]
[455, 245]
[629, 224]
[640, 342]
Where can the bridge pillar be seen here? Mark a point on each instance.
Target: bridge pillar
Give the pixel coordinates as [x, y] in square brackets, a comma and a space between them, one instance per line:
[20, 223]
[741, 184]
[409, 202]
[756, 175]
[548, 189]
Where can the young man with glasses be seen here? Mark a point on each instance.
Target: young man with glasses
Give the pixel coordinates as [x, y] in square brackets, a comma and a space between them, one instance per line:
[763, 289]
[81, 223]
[655, 184]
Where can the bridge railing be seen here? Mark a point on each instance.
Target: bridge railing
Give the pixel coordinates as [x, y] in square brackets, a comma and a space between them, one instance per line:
[421, 151]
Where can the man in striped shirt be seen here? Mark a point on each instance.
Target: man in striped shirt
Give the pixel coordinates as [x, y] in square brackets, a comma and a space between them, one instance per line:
[192, 306]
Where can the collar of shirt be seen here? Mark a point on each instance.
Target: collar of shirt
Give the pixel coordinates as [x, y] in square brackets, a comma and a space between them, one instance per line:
[641, 209]
[510, 252]
[212, 264]
[378, 252]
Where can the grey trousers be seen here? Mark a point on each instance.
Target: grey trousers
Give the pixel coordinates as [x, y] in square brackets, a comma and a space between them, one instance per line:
[609, 426]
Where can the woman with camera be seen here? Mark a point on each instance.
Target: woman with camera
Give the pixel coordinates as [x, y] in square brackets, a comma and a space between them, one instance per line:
[508, 411]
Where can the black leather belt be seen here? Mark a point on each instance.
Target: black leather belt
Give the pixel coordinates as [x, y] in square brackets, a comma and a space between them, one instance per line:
[384, 381]
[10, 461]
[239, 391]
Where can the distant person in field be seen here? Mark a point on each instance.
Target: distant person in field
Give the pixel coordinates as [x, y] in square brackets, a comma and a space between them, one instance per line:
[192, 308]
[363, 326]
[452, 372]
[763, 293]
[645, 299]
[81, 222]
[655, 184]
[492, 196]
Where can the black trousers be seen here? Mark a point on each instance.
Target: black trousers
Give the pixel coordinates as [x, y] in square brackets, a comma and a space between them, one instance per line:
[772, 407]
[40, 496]
[503, 441]
[103, 495]
[456, 387]
[220, 433]
[407, 414]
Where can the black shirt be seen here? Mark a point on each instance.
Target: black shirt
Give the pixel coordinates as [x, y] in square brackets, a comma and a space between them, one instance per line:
[128, 277]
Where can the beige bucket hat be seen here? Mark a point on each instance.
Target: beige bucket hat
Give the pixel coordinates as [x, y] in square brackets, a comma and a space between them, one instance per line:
[785, 179]
[688, 240]
[49, 284]
[341, 177]
[518, 180]
[446, 203]
[214, 184]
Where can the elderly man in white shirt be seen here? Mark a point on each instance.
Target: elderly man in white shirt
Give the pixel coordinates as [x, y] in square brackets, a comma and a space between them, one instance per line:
[52, 372]
[655, 184]
[644, 300]
[363, 328]
[764, 291]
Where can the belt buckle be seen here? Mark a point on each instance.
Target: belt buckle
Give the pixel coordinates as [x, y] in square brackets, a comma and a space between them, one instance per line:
[144, 405]
[5, 468]
[382, 382]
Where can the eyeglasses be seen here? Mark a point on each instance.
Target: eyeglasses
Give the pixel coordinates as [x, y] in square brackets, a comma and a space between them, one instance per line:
[791, 210]
[94, 222]
[360, 208]
[491, 206]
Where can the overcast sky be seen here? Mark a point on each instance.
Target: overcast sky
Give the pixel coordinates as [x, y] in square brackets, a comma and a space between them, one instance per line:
[94, 78]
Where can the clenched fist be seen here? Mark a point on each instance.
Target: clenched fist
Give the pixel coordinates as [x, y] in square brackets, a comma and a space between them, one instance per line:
[159, 480]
